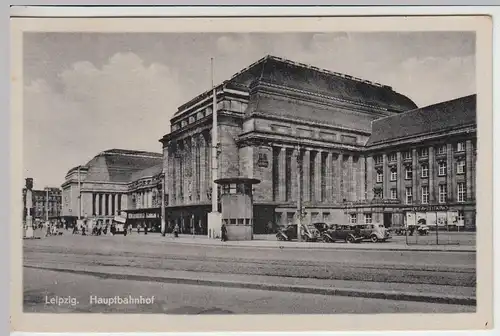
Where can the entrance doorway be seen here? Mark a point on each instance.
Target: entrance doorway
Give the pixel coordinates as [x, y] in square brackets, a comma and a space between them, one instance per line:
[387, 219]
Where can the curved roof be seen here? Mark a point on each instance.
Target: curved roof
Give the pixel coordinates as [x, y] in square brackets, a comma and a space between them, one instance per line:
[150, 171]
[279, 71]
[119, 165]
[434, 118]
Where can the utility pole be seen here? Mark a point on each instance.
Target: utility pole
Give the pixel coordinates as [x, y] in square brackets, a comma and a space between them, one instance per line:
[299, 193]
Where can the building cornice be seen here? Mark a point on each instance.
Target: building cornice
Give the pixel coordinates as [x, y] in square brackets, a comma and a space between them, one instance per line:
[310, 123]
[271, 139]
[322, 99]
[424, 137]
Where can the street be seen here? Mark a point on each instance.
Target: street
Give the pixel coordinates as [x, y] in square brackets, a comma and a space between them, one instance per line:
[191, 278]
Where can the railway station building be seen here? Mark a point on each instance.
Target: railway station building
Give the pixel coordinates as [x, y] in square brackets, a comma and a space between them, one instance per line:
[363, 152]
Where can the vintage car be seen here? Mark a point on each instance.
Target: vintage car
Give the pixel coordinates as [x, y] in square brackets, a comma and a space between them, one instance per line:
[374, 232]
[337, 232]
[308, 233]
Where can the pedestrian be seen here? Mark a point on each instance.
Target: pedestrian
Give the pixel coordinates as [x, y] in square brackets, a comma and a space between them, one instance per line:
[83, 230]
[223, 235]
[176, 230]
[269, 227]
[145, 229]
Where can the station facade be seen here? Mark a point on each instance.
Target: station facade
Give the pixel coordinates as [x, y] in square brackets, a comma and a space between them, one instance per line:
[280, 121]
[115, 181]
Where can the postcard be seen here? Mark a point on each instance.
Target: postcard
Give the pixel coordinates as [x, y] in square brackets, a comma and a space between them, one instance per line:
[251, 174]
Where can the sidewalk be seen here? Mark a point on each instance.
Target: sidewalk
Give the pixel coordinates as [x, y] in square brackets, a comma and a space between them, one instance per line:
[267, 243]
[375, 290]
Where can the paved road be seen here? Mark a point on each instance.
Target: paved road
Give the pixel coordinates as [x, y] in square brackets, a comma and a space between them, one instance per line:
[443, 271]
[440, 268]
[42, 286]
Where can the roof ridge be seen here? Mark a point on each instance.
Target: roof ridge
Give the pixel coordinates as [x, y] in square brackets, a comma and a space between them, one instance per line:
[427, 106]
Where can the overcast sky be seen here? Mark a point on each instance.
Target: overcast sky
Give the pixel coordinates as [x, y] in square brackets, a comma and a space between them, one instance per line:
[85, 93]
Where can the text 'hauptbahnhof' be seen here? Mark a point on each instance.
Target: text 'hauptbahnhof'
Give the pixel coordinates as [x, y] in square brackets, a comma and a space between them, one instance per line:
[358, 151]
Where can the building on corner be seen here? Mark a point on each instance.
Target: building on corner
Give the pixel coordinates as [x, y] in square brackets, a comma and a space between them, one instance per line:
[352, 139]
[115, 181]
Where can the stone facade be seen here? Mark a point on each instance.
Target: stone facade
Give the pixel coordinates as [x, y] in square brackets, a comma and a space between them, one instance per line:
[113, 182]
[44, 207]
[280, 130]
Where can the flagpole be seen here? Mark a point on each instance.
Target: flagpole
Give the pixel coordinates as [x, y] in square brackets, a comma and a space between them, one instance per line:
[214, 217]
[215, 138]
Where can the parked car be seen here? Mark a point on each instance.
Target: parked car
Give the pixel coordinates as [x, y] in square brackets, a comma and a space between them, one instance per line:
[374, 232]
[308, 233]
[348, 233]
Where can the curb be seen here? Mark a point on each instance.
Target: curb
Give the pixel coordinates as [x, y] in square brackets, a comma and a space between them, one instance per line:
[330, 248]
[372, 294]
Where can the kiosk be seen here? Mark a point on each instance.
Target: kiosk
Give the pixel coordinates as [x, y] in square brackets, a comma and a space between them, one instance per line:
[237, 206]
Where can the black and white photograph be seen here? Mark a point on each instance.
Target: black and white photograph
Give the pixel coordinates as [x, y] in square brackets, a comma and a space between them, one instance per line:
[250, 173]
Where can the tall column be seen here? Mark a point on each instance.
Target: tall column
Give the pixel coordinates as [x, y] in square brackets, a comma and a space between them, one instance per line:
[400, 178]
[354, 179]
[339, 178]
[450, 174]
[282, 175]
[317, 177]
[293, 173]
[432, 178]
[166, 170]
[179, 174]
[169, 175]
[329, 178]
[362, 178]
[94, 207]
[194, 168]
[203, 168]
[209, 178]
[189, 170]
[415, 176]
[306, 176]
[386, 177]
[468, 169]
[110, 204]
[117, 209]
[369, 177]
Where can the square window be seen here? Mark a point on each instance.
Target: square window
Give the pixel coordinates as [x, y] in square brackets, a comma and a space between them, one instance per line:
[353, 218]
[394, 174]
[424, 152]
[461, 192]
[461, 147]
[368, 218]
[443, 193]
[425, 194]
[380, 176]
[406, 155]
[394, 193]
[409, 195]
[442, 168]
[460, 166]
[408, 172]
[441, 149]
[393, 157]
[424, 170]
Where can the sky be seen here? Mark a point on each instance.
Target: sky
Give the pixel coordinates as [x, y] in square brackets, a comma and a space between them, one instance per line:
[88, 92]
